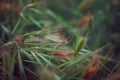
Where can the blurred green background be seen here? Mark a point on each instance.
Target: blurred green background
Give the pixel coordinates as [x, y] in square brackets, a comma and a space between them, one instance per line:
[23, 16]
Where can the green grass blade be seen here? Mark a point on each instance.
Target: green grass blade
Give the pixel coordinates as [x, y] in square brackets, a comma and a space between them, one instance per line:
[21, 67]
[35, 56]
[16, 26]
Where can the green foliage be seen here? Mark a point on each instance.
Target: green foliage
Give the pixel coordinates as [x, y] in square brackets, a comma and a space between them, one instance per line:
[51, 42]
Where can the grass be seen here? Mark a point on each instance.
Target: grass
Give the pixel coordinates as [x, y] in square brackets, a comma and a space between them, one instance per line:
[46, 44]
